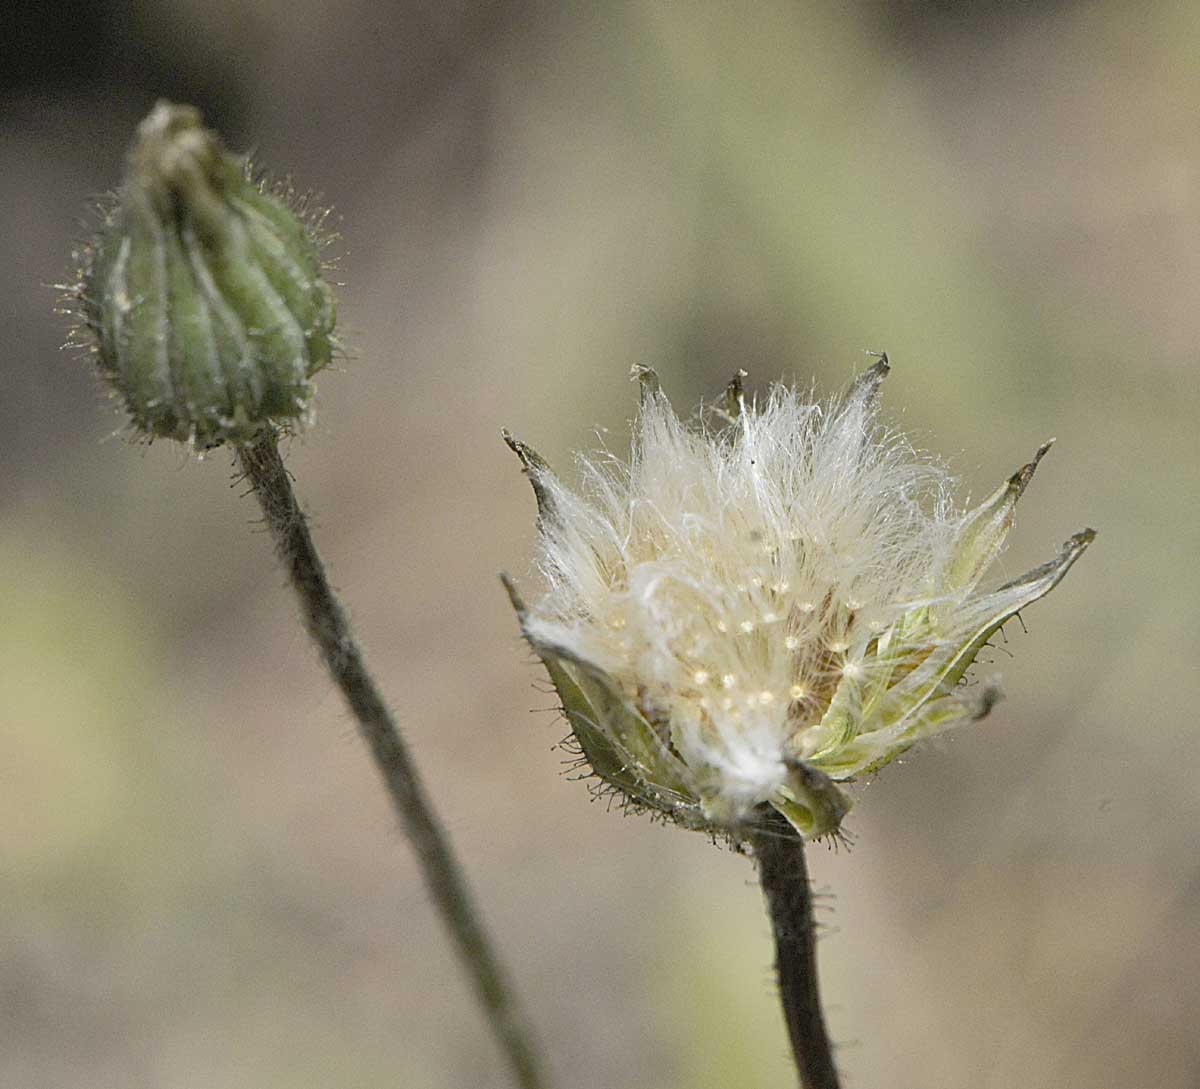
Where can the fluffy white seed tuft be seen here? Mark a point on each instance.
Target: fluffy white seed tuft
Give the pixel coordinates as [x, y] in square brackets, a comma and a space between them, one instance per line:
[756, 608]
[753, 558]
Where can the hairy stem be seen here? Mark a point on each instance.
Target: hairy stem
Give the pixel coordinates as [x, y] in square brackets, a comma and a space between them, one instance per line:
[327, 624]
[784, 877]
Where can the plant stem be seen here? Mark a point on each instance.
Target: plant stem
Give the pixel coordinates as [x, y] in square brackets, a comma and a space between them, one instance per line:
[784, 877]
[327, 624]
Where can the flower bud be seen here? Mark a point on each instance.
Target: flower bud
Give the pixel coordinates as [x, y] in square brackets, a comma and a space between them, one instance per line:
[203, 294]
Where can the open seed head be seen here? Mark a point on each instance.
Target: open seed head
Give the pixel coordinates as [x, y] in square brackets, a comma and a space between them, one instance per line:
[754, 611]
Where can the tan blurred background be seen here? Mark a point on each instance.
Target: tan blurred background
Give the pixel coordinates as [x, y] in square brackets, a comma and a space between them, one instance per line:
[200, 881]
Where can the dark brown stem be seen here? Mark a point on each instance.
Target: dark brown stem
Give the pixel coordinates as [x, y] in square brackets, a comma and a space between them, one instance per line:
[327, 624]
[784, 877]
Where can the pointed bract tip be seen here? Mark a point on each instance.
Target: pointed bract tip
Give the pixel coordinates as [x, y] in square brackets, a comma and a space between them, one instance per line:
[1072, 548]
[1019, 481]
[866, 385]
[515, 445]
[647, 378]
[735, 394]
[537, 469]
[514, 595]
[530, 458]
[1068, 552]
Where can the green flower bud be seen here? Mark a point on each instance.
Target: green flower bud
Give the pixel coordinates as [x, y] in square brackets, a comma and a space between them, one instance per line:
[758, 613]
[202, 295]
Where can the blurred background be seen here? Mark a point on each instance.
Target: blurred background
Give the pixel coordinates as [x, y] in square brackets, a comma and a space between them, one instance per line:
[200, 881]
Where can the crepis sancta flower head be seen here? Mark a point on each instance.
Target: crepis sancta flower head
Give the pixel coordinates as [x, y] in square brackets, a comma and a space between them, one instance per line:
[759, 608]
[202, 297]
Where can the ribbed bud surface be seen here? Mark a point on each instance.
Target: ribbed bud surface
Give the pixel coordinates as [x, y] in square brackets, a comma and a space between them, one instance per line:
[203, 292]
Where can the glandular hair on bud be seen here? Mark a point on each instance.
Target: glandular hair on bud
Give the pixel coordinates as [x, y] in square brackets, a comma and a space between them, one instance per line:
[202, 296]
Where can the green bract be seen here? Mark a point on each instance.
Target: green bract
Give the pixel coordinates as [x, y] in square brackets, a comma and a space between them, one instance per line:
[203, 292]
[758, 612]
